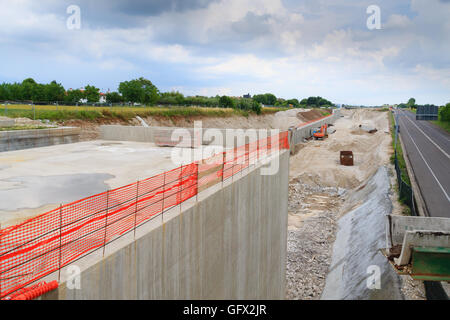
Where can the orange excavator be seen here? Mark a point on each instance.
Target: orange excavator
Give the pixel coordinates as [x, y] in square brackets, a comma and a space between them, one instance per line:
[322, 134]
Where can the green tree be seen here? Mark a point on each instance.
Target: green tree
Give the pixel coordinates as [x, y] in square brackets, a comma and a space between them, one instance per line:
[150, 94]
[244, 104]
[267, 99]
[40, 93]
[130, 91]
[411, 103]
[280, 103]
[444, 113]
[271, 99]
[261, 98]
[29, 87]
[15, 91]
[172, 98]
[113, 97]
[315, 102]
[139, 90]
[226, 102]
[4, 94]
[54, 91]
[73, 96]
[92, 94]
[304, 103]
[294, 102]
[256, 107]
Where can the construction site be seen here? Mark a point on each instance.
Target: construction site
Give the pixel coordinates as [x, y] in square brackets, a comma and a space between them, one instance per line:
[110, 201]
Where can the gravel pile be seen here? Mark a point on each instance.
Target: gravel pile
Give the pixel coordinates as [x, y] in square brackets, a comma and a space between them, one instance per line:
[310, 244]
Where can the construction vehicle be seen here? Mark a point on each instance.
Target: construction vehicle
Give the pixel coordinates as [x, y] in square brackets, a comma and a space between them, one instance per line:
[322, 134]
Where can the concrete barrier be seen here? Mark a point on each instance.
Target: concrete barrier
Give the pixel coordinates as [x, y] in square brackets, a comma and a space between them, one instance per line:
[229, 245]
[162, 136]
[26, 139]
[304, 132]
[358, 270]
[7, 123]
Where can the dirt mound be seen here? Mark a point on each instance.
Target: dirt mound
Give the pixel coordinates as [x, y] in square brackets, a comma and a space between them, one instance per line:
[312, 114]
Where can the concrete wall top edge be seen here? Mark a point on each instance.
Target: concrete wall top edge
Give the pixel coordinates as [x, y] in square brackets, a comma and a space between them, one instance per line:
[38, 133]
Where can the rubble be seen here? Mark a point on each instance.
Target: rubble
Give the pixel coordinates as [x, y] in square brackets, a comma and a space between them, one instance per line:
[313, 211]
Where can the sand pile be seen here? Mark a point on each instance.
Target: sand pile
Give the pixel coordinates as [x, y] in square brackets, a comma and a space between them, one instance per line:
[294, 117]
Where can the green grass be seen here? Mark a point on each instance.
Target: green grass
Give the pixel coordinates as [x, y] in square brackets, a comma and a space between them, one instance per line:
[22, 128]
[443, 124]
[122, 113]
[401, 159]
[89, 113]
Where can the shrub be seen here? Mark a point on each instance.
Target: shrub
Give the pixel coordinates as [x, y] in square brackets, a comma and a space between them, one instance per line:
[256, 107]
[444, 113]
[226, 102]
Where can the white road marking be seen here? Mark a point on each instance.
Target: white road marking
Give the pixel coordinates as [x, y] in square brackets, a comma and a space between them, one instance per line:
[445, 153]
[440, 185]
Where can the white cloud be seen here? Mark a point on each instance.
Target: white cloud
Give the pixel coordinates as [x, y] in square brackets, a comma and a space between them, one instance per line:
[313, 48]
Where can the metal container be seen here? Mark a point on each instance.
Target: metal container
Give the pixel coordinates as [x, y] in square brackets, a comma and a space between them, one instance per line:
[347, 158]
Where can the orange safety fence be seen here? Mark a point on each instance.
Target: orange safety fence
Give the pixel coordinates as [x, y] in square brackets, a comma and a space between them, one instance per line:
[50, 241]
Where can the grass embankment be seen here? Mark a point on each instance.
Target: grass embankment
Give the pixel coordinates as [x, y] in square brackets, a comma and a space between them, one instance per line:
[443, 124]
[16, 128]
[62, 113]
[401, 159]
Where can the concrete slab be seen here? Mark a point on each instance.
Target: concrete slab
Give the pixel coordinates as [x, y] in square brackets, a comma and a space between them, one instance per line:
[356, 260]
[7, 123]
[37, 180]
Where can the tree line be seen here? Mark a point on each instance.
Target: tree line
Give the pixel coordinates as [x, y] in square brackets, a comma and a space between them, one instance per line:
[143, 91]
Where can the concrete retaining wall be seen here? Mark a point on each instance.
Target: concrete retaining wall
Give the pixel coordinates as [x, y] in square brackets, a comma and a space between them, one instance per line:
[162, 136]
[356, 259]
[7, 123]
[229, 245]
[301, 133]
[26, 139]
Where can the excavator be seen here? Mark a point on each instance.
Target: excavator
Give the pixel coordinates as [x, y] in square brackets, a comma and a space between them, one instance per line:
[322, 134]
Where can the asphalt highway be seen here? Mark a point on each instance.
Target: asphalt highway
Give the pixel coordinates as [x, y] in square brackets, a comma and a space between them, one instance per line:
[428, 150]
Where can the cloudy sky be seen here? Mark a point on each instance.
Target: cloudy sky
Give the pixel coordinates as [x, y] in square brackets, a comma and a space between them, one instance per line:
[293, 48]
